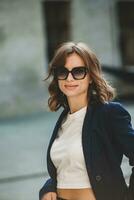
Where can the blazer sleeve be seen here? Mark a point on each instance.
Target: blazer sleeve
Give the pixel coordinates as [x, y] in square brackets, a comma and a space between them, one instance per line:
[124, 134]
[49, 186]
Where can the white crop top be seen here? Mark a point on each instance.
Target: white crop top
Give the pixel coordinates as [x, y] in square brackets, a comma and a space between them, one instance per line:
[67, 153]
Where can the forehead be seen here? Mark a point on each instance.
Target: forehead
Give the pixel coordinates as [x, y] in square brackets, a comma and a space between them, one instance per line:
[73, 60]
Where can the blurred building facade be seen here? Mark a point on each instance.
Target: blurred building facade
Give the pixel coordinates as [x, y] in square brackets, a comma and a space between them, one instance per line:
[31, 29]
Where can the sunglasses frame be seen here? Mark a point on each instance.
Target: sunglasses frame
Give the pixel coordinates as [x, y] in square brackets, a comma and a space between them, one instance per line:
[72, 72]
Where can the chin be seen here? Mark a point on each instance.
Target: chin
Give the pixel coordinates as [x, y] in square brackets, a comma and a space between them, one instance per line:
[71, 94]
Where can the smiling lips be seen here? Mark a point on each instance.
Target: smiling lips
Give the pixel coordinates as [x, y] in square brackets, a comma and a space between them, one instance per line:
[70, 86]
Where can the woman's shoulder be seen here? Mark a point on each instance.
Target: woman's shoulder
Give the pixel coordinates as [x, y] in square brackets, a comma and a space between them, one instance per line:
[114, 108]
[111, 105]
[114, 105]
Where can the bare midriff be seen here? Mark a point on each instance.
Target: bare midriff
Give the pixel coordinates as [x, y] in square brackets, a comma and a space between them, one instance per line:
[76, 194]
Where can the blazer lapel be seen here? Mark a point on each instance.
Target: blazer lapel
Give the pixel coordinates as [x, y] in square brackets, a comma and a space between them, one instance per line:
[50, 165]
[87, 133]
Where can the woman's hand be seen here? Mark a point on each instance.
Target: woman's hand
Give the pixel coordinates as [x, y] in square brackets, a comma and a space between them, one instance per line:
[50, 196]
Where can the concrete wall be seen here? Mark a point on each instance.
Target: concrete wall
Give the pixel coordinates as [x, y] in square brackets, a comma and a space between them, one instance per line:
[95, 22]
[22, 57]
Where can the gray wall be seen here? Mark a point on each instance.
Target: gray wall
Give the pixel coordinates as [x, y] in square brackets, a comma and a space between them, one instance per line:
[95, 22]
[22, 57]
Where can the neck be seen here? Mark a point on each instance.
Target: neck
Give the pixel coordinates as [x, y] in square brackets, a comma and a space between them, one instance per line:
[76, 104]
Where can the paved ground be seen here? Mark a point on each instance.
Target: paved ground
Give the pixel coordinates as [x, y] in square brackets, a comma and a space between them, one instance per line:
[23, 146]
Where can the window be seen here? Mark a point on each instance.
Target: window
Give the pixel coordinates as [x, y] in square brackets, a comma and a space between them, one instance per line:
[56, 14]
[125, 11]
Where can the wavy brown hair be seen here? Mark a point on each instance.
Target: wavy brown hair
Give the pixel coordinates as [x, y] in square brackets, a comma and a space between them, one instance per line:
[100, 91]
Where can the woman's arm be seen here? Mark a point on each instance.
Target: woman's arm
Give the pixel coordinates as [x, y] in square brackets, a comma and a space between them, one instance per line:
[124, 133]
[49, 186]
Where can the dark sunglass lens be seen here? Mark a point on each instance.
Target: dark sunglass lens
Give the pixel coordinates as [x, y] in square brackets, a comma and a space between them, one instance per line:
[61, 73]
[79, 73]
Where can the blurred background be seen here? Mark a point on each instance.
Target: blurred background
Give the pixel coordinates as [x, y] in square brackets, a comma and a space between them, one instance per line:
[29, 32]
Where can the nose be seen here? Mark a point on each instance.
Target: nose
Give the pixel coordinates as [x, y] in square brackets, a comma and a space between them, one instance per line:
[70, 77]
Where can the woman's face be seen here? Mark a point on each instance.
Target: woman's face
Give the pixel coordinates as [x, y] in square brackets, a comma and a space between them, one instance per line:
[71, 87]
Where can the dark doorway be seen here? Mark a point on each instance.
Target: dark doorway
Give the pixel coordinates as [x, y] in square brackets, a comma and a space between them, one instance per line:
[125, 11]
[56, 14]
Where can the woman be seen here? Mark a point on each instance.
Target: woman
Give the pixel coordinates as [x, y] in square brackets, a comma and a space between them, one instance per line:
[91, 135]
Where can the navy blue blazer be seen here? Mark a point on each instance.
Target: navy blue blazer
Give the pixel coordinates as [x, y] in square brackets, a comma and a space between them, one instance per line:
[107, 134]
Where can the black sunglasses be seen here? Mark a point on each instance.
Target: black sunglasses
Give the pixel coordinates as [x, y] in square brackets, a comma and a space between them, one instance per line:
[78, 73]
